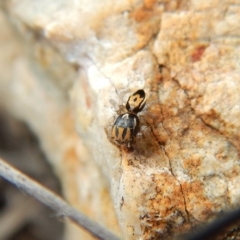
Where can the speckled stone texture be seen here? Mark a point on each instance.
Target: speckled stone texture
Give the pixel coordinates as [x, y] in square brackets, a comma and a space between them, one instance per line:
[67, 69]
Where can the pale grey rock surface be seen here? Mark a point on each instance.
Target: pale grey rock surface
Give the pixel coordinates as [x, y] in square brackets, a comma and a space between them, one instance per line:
[67, 67]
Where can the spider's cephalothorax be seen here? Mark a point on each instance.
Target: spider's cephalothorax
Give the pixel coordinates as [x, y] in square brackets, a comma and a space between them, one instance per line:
[126, 126]
[136, 102]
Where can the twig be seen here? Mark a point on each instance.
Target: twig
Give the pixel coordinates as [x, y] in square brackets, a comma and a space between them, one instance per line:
[53, 201]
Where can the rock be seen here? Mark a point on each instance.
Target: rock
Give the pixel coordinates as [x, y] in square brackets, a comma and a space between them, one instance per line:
[68, 70]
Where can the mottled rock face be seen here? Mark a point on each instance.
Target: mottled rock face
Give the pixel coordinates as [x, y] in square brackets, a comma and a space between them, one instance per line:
[67, 69]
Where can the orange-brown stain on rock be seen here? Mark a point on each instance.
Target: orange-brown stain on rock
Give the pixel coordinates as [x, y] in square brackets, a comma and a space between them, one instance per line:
[222, 154]
[198, 52]
[149, 3]
[70, 166]
[192, 164]
[105, 200]
[67, 123]
[144, 12]
[165, 212]
[88, 100]
[198, 206]
[168, 197]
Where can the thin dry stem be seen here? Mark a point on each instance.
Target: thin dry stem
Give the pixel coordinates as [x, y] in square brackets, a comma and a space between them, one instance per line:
[53, 201]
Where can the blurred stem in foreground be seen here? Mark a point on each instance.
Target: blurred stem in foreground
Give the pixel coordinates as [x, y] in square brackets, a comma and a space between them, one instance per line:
[53, 201]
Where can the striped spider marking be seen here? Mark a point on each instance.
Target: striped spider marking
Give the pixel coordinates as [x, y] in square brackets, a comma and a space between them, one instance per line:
[126, 126]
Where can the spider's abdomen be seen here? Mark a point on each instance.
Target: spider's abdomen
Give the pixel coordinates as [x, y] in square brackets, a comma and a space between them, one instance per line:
[125, 129]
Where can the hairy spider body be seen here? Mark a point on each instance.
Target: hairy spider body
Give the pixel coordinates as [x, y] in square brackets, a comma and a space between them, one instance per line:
[126, 126]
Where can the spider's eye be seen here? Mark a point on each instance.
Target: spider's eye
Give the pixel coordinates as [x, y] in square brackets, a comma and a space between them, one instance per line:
[136, 101]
